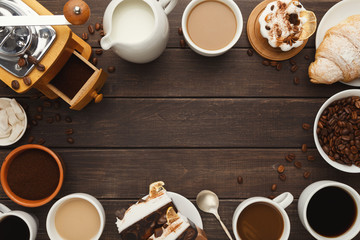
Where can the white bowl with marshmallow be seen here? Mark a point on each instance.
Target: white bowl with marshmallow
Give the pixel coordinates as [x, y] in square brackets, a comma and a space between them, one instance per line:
[13, 121]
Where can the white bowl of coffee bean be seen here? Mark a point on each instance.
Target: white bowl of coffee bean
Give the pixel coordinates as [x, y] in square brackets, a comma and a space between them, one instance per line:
[337, 131]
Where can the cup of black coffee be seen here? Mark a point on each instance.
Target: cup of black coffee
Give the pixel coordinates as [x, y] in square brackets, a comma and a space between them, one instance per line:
[329, 210]
[17, 225]
[260, 218]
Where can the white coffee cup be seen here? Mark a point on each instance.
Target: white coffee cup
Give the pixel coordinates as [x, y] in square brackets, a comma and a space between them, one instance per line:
[309, 192]
[50, 220]
[280, 203]
[31, 222]
[212, 53]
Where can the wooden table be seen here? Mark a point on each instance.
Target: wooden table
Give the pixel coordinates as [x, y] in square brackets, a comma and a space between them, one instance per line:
[194, 122]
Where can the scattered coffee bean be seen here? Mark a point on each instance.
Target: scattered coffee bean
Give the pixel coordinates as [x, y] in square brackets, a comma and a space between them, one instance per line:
[240, 179]
[282, 177]
[296, 80]
[273, 63]
[273, 187]
[22, 62]
[27, 81]
[15, 84]
[310, 158]
[278, 66]
[34, 122]
[307, 174]
[70, 140]
[85, 36]
[294, 68]
[94, 61]
[290, 157]
[271, 197]
[30, 140]
[47, 104]
[304, 148]
[32, 60]
[41, 141]
[102, 33]
[292, 62]
[69, 131]
[97, 26]
[306, 126]
[180, 31]
[98, 51]
[182, 43]
[250, 52]
[50, 120]
[280, 169]
[307, 57]
[91, 29]
[38, 116]
[40, 67]
[111, 69]
[266, 63]
[68, 119]
[58, 117]
[297, 164]
[357, 104]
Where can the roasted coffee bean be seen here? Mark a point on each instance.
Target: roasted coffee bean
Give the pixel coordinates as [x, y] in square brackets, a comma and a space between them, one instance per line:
[111, 69]
[250, 52]
[30, 140]
[240, 179]
[294, 68]
[120, 213]
[85, 36]
[70, 140]
[280, 169]
[273, 187]
[282, 177]
[69, 131]
[40, 67]
[267, 28]
[292, 62]
[22, 62]
[357, 104]
[50, 120]
[271, 197]
[97, 26]
[94, 61]
[38, 116]
[310, 158]
[32, 60]
[102, 33]
[273, 63]
[290, 157]
[354, 150]
[297, 164]
[182, 43]
[34, 122]
[304, 148]
[58, 117]
[296, 80]
[266, 63]
[27, 81]
[68, 119]
[306, 174]
[306, 126]
[15, 84]
[41, 141]
[278, 66]
[98, 51]
[307, 57]
[47, 104]
[180, 31]
[91, 29]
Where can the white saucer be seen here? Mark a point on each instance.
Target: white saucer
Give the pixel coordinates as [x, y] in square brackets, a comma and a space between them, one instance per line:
[333, 16]
[186, 208]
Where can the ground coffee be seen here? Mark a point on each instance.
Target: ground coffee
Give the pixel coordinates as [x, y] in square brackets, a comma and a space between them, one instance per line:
[33, 174]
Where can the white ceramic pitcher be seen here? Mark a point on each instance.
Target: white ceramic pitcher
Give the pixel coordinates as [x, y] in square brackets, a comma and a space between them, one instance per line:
[144, 50]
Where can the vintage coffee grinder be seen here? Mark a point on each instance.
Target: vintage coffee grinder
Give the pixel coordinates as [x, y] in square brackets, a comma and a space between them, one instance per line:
[51, 59]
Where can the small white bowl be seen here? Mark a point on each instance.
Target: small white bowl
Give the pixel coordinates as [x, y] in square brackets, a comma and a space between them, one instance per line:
[340, 95]
[7, 142]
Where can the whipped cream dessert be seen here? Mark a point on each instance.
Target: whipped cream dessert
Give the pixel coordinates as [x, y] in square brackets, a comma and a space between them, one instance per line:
[281, 23]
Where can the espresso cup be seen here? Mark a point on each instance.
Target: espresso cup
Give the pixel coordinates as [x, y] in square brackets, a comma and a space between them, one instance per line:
[279, 203]
[316, 196]
[30, 221]
[50, 220]
[201, 50]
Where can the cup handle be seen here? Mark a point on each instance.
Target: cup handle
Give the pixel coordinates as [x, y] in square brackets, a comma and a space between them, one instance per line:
[168, 5]
[284, 199]
[4, 209]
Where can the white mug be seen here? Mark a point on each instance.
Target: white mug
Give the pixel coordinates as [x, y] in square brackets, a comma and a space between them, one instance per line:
[280, 203]
[309, 192]
[50, 220]
[31, 222]
[147, 49]
[212, 53]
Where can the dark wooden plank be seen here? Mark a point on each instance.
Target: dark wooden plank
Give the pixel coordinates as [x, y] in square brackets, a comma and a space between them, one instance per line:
[246, 6]
[126, 174]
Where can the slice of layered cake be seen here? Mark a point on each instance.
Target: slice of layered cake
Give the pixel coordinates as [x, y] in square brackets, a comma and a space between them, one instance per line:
[151, 215]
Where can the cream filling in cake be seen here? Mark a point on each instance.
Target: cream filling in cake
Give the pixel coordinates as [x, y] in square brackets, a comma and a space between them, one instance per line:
[142, 209]
[175, 230]
[275, 26]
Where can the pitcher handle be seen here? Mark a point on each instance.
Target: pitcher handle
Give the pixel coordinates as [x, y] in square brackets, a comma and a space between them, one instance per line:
[284, 200]
[4, 209]
[168, 5]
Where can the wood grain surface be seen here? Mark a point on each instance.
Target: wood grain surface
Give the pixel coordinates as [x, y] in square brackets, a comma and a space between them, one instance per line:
[196, 123]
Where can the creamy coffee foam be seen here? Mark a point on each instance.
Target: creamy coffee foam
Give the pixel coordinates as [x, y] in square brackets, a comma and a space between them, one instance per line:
[281, 24]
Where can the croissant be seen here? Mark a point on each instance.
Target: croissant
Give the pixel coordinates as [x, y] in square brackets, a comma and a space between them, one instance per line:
[338, 56]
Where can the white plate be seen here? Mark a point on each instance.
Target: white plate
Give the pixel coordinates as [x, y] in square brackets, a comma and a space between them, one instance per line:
[185, 207]
[5, 141]
[333, 16]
